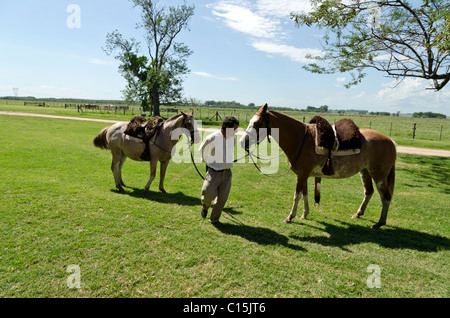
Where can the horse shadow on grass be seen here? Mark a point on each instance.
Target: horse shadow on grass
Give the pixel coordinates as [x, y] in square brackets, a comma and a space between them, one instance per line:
[157, 196]
[259, 235]
[391, 237]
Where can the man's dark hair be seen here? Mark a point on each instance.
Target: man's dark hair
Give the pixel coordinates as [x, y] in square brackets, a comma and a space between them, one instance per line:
[229, 122]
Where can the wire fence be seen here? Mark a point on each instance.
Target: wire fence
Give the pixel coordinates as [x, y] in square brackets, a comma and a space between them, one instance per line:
[402, 126]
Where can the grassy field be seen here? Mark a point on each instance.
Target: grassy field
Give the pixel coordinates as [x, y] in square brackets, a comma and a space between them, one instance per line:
[59, 208]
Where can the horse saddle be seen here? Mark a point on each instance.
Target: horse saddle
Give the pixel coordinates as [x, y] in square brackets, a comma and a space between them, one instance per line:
[144, 129]
[341, 139]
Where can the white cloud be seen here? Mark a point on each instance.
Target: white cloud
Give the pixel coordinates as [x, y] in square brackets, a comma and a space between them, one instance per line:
[204, 74]
[394, 91]
[283, 8]
[91, 60]
[412, 95]
[262, 20]
[43, 91]
[236, 15]
[98, 61]
[209, 75]
[293, 53]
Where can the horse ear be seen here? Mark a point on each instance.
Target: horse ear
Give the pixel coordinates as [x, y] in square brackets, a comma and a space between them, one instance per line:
[263, 109]
[184, 114]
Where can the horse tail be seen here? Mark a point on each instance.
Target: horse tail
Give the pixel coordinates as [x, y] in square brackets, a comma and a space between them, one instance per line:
[317, 190]
[100, 141]
[391, 180]
[391, 175]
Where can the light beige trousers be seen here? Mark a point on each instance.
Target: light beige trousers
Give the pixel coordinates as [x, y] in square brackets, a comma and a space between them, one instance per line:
[217, 184]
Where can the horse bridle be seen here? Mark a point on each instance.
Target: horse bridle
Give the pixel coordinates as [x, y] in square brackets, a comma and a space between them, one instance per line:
[183, 125]
[265, 120]
[192, 133]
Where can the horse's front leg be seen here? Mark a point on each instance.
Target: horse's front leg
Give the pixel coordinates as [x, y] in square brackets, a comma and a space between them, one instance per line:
[300, 191]
[153, 165]
[162, 173]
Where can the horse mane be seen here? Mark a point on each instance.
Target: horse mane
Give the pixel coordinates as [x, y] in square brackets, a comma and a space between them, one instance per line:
[174, 117]
[281, 115]
[294, 121]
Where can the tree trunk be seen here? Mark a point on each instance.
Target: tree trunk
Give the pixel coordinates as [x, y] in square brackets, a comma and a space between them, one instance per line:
[155, 102]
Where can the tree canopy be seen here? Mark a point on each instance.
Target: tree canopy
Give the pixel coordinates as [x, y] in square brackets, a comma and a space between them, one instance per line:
[156, 77]
[398, 37]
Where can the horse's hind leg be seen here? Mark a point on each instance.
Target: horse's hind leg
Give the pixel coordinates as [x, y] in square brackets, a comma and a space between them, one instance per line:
[300, 191]
[368, 192]
[386, 189]
[122, 161]
[116, 167]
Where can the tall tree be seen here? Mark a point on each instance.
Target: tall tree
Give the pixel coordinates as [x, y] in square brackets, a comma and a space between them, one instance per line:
[157, 77]
[398, 37]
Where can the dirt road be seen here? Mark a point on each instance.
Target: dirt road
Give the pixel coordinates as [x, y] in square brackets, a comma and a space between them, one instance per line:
[400, 149]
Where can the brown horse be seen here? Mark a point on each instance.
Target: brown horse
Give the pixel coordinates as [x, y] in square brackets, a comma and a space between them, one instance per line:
[161, 145]
[376, 159]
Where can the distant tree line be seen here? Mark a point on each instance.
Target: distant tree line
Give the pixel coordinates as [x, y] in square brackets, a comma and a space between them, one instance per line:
[381, 114]
[225, 104]
[64, 100]
[321, 109]
[428, 115]
[236, 105]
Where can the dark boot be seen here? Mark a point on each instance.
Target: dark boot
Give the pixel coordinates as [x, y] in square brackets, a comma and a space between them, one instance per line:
[204, 211]
[146, 154]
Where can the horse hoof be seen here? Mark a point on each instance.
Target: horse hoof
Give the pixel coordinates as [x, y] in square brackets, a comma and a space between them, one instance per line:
[378, 225]
[145, 194]
[121, 190]
[356, 216]
[287, 220]
[163, 191]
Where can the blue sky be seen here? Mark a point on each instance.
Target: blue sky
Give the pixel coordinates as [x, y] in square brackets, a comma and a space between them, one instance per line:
[246, 51]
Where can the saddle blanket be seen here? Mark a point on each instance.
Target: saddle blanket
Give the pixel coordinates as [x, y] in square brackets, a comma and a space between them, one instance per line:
[335, 151]
[132, 138]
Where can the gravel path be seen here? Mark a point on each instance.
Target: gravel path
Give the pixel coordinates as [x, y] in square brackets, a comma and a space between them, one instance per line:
[400, 149]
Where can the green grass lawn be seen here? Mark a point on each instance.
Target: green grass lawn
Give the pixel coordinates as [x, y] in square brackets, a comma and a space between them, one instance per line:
[59, 207]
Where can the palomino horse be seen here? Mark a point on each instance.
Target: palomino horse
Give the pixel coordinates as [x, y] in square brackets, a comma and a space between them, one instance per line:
[123, 146]
[376, 159]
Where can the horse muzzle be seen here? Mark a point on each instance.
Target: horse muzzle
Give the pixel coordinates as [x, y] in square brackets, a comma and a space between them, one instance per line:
[245, 142]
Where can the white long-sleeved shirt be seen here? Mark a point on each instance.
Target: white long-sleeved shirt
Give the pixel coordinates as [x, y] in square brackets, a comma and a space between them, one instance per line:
[218, 152]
